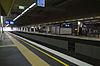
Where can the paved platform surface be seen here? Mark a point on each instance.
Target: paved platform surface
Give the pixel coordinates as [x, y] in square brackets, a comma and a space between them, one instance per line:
[6, 40]
[10, 54]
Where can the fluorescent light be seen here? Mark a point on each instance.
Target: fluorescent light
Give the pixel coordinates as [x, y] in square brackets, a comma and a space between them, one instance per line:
[1, 19]
[32, 27]
[86, 21]
[97, 17]
[97, 22]
[79, 23]
[80, 19]
[94, 20]
[24, 11]
[32, 5]
[7, 25]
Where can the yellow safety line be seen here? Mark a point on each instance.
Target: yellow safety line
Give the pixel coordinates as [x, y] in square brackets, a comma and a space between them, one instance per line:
[29, 55]
[7, 45]
[43, 52]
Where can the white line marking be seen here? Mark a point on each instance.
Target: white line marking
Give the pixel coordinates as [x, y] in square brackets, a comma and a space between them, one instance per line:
[66, 57]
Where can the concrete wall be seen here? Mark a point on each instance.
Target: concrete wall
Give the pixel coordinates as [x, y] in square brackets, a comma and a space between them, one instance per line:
[87, 50]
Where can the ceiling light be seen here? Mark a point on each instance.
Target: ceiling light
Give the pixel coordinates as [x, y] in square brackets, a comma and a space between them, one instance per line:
[79, 22]
[7, 25]
[24, 11]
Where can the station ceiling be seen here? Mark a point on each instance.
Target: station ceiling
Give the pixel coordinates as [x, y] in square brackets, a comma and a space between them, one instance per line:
[55, 10]
[5, 7]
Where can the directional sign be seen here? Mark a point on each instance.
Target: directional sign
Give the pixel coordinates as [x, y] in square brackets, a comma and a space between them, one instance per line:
[67, 25]
[41, 3]
[11, 22]
[6, 22]
[84, 25]
[21, 7]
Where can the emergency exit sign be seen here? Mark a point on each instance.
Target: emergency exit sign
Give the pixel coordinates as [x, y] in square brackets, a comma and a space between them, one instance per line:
[41, 3]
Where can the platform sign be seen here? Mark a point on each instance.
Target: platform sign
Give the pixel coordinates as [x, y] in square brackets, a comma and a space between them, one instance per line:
[41, 3]
[84, 25]
[21, 7]
[11, 22]
[67, 25]
[6, 22]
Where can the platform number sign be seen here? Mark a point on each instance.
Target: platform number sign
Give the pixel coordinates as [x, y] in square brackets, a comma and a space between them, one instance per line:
[41, 3]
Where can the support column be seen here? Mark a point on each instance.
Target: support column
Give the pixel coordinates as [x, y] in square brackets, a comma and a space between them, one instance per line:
[80, 24]
[18, 29]
[1, 36]
[21, 28]
[34, 28]
[48, 29]
[30, 29]
[24, 29]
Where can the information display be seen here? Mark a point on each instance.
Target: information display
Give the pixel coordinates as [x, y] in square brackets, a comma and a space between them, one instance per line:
[11, 22]
[67, 25]
[6, 22]
[41, 3]
[84, 25]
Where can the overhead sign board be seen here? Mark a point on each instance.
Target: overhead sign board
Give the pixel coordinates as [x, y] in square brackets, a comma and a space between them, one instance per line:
[41, 3]
[84, 25]
[21, 7]
[67, 25]
[6, 22]
[11, 22]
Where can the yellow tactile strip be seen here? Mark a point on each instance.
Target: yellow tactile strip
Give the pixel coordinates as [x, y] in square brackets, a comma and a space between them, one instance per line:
[8, 45]
[45, 53]
[30, 56]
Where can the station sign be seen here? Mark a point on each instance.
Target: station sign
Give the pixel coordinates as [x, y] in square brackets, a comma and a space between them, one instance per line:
[84, 25]
[41, 3]
[21, 7]
[6, 22]
[67, 25]
[11, 22]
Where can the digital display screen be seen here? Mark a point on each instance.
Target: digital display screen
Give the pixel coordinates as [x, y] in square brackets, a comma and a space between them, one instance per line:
[11, 22]
[41, 3]
[67, 25]
[6, 22]
[84, 25]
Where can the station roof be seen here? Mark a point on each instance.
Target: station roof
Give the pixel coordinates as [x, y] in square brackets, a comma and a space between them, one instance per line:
[5, 7]
[55, 10]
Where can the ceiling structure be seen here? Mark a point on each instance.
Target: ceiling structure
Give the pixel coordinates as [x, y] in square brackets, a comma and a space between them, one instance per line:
[5, 7]
[15, 11]
[55, 10]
